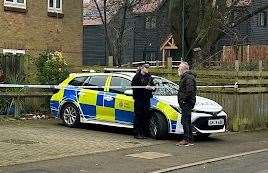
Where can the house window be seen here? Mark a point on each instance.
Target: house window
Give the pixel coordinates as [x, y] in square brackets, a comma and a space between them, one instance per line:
[15, 3]
[55, 6]
[150, 22]
[262, 20]
[13, 51]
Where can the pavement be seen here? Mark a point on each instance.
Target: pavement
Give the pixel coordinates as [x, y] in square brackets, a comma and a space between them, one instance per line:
[48, 147]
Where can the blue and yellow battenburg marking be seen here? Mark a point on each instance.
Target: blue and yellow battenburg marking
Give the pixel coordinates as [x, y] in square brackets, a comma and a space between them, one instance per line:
[106, 106]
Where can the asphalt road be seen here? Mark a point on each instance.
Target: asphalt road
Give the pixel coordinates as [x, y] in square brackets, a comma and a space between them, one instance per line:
[255, 163]
[165, 155]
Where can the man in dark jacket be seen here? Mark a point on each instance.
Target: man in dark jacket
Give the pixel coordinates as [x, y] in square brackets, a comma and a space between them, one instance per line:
[186, 99]
[142, 95]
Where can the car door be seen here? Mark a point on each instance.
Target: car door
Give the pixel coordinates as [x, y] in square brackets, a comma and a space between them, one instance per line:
[123, 104]
[91, 98]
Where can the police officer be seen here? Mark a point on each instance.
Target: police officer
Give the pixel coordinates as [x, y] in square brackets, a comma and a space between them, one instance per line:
[142, 95]
[186, 99]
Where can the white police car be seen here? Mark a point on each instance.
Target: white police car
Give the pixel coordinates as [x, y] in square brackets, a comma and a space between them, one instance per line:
[94, 98]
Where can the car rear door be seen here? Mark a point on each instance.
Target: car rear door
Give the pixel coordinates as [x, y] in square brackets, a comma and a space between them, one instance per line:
[91, 98]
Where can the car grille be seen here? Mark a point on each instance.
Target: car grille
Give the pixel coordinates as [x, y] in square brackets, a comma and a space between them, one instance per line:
[202, 123]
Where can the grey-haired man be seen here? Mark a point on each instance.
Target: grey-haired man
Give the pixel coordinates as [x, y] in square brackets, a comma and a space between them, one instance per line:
[186, 99]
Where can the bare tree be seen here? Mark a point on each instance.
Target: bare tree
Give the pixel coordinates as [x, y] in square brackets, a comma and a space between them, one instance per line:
[115, 11]
[207, 21]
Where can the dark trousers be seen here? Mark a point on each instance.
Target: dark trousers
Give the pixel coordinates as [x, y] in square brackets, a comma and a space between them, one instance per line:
[141, 119]
[186, 123]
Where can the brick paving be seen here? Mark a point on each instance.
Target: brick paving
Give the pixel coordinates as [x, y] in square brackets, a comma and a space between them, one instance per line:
[22, 142]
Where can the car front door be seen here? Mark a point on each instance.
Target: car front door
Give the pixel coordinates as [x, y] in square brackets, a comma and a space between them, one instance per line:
[123, 104]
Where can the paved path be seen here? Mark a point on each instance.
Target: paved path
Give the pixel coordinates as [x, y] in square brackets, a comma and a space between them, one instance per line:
[100, 151]
[22, 142]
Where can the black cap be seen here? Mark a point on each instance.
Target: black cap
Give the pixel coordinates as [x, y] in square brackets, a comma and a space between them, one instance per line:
[146, 65]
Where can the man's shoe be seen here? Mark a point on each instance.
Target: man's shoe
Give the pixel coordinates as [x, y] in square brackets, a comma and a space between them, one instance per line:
[182, 143]
[189, 144]
[138, 137]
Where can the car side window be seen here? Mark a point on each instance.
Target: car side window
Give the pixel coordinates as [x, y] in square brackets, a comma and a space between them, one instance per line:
[121, 82]
[78, 81]
[166, 88]
[97, 81]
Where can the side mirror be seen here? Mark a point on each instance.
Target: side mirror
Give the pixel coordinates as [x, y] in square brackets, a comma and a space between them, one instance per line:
[129, 92]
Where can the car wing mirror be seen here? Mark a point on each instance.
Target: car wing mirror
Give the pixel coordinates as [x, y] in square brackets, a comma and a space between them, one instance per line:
[129, 92]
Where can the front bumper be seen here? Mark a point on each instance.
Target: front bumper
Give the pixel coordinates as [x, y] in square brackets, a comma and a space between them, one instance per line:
[200, 122]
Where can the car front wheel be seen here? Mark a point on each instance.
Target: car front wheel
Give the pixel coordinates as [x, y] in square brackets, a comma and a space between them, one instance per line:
[70, 115]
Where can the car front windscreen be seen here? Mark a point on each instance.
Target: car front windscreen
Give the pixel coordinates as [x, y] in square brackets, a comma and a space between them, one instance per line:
[165, 87]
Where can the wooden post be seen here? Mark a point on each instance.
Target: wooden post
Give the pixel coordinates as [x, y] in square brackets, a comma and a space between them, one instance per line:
[260, 70]
[129, 64]
[248, 53]
[169, 62]
[260, 66]
[163, 57]
[157, 63]
[110, 61]
[17, 107]
[237, 65]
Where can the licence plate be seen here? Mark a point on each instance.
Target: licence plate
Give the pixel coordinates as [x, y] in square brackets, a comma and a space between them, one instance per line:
[217, 122]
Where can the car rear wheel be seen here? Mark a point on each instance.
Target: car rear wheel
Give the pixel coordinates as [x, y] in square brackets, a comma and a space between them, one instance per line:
[158, 126]
[70, 115]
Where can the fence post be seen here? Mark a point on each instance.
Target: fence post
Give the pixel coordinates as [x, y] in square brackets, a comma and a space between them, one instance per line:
[237, 65]
[110, 61]
[17, 107]
[260, 66]
[157, 63]
[169, 62]
[236, 120]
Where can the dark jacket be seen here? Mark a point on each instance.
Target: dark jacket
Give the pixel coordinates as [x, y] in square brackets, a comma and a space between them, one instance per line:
[187, 90]
[142, 94]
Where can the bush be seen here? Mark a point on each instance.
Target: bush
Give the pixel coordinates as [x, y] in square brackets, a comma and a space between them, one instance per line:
[51, 68]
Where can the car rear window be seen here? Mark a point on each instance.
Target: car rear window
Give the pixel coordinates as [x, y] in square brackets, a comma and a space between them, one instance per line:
[98, 81]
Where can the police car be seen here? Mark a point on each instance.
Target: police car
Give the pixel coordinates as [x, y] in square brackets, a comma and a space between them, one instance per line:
[106, 99]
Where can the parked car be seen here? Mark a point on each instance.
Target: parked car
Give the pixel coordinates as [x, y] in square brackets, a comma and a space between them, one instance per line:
[93, 98]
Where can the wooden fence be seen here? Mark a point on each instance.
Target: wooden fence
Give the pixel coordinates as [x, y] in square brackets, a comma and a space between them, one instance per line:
[245, 53]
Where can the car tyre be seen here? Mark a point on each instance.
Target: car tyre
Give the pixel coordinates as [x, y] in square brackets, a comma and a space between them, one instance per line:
[70, 115]
[158, 126]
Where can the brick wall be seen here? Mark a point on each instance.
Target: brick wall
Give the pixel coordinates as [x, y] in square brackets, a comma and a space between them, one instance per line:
[34, 31]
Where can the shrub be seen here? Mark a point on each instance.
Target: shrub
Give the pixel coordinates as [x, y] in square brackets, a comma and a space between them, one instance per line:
[51, 68]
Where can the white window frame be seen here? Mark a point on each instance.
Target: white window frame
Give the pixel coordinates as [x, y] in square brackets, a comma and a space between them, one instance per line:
[13, 51]
[54, 9]
[15, 4]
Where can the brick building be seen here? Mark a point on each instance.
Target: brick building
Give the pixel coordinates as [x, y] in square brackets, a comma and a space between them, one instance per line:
[31, 26]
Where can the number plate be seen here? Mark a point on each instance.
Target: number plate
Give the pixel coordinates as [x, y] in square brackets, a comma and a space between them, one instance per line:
[218, 122]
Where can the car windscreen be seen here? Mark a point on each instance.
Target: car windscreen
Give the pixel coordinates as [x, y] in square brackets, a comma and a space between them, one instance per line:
[165, 87]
